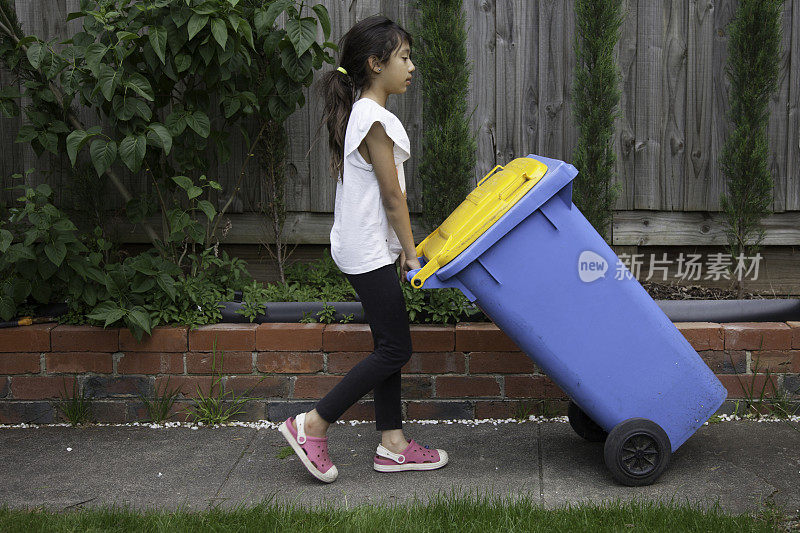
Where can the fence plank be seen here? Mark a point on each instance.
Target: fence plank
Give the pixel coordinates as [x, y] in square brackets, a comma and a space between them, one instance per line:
[699, 101]
[481, 102]
[570, 138]
[721, 126]
[516, 75]
[624, 139]
[793, 113]
[671, 164]
[552, 79]
[649, 102]
[777, 129]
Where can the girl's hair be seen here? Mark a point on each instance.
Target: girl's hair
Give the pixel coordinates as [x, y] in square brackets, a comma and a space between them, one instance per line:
[374, 36]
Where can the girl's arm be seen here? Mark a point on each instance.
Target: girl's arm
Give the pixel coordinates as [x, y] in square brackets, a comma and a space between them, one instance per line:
[380, 147]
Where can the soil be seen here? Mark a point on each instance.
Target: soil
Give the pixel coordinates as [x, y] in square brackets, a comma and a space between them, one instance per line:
[661, 291]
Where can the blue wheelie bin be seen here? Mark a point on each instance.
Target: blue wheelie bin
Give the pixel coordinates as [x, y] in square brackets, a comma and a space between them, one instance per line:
[527, 257]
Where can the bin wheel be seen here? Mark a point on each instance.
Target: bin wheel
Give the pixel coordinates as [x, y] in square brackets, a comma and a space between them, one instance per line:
[583, 425]
[637, 451]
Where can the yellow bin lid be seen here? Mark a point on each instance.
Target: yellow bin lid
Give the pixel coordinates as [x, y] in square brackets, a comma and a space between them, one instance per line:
[495, 194]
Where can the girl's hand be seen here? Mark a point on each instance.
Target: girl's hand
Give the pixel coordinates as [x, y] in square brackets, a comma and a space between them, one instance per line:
[406, 265]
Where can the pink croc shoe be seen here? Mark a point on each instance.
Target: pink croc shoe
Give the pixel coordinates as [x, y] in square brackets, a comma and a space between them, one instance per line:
[313, 451]
[414, 457]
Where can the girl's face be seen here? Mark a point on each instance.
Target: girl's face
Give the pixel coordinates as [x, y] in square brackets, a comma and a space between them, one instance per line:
[395, 75]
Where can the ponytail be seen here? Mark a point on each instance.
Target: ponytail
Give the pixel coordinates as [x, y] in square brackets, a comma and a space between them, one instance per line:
[374, 36]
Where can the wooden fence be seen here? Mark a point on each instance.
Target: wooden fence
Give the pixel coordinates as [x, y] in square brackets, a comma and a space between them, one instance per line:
[671, 128]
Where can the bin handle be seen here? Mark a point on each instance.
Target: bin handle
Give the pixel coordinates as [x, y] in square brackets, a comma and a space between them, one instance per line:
[489, 174]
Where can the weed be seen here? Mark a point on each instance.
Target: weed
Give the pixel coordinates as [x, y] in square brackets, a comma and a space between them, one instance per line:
[328, 314]
[77, 409]
[158, 409]
[284, 452]
[522, 411]
[308, 317]
[217, 409]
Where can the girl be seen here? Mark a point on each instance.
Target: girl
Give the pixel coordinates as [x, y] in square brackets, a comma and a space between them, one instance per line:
[371, 228]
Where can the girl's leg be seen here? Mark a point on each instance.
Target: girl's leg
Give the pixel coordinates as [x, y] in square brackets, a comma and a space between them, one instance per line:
[384, 306]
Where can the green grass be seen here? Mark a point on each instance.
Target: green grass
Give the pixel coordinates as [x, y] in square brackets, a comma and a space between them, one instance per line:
[443, 512]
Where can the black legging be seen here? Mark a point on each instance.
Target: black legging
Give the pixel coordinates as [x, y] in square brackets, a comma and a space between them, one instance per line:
[385, 310]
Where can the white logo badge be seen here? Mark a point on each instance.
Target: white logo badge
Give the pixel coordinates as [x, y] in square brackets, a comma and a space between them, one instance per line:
[591, 266]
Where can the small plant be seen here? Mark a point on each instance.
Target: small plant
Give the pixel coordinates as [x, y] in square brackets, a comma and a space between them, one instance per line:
[308, 318]
[347, 318]
[327, 315]
[522, 411]
[758, 403]
[158, 410]
[284, 452]
[77, 409]
[217, 409]
[755, 401]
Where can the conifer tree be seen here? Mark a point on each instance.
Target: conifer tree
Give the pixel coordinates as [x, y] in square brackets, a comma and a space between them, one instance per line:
[596, 95]
[753, 67]
[448, 145]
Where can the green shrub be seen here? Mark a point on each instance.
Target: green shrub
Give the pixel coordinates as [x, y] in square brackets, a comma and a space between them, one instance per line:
[596, 94]
[753, 67]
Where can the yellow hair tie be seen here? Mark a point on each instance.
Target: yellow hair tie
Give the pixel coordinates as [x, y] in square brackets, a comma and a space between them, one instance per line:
[343, 71]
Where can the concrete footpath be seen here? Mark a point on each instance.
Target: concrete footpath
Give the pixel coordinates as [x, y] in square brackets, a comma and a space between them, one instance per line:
[741, 464]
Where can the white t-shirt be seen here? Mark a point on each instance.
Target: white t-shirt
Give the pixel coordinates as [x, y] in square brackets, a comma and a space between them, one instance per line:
[362, 239]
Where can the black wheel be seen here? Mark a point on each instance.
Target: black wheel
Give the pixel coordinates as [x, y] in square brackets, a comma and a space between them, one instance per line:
[637, 451]
[583, 425]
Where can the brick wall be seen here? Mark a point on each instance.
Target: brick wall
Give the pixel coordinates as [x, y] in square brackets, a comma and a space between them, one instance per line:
[461, 371]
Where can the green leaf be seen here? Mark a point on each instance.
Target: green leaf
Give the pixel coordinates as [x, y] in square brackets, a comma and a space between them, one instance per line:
[183, 182]
[9, 108]
[302, 33]
[5, 240]
[260, 21]
[108, 311]
[141, 85]
[182, 62]
[324, 19]
[108, 81]
[296, 67]
[94, 56]
[158, 40]
[231, 106]
[175, 123]
[49, 141]
[200, 123]
[247, 31]
[196, 232]
[193, 192]
[127, 35]
[206, 8]
[36, 53]
[196, 23]
[75, 15]
[166, 282]
[127, 107]
[207, 208]
[74, 141]
[220, 31]
[132, 150]
[274, 10]
[163, 135]
[272, 40]
[26, 134]
[55, 252]
[103, 154]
